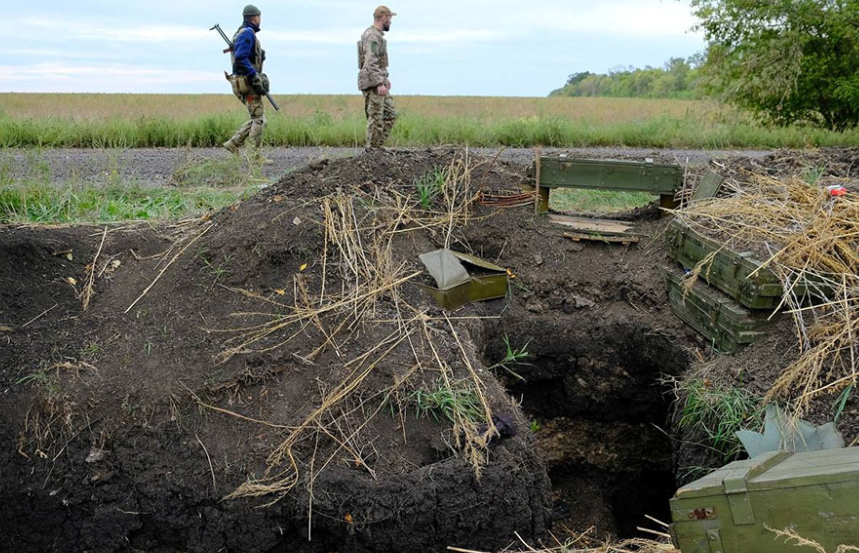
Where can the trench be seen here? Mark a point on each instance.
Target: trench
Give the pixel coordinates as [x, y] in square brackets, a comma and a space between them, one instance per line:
[593, 385]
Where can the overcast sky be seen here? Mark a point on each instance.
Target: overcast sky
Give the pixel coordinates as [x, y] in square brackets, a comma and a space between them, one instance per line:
[443, 47]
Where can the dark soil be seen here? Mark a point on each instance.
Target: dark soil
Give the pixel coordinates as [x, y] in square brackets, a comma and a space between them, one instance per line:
[107, 446]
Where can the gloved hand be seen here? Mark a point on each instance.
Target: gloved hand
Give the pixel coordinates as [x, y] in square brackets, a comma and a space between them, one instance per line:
[258, 85]
[266, 84]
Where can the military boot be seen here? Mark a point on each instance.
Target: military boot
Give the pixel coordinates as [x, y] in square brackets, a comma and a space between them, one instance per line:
[258, 158]
[231, 146]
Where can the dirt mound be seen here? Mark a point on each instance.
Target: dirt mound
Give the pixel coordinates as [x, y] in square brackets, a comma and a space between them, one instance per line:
[127, 424]
[823, 165]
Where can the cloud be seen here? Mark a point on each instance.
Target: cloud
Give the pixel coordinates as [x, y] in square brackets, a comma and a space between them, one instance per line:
[128, 74]
[71, 30]
[55, 53]
[626, 18]
[158, 34]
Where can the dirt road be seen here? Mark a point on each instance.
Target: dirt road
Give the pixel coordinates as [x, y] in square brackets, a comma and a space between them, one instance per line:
[155, 166]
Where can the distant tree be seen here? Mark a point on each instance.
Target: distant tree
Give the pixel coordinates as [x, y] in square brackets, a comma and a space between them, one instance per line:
[576, 78]
[785, 60]
[678, 79]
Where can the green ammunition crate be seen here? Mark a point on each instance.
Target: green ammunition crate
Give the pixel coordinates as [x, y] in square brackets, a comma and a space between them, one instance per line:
[730, 271]
[560, 171]
[720, 319]
[608, 174]
[815, 495]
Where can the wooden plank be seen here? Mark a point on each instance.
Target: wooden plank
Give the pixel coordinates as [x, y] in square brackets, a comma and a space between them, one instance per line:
[560, 172]
[585, 224]
[625, 239]
[709, 187]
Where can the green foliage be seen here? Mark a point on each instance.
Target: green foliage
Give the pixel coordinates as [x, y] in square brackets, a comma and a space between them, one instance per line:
[535, 426]
[716, 413]
[34, 198]
[653, 130]
[443, 402]
[78, 203]
[841, 403]
[429, 187]
[512, 357]
[217, 172]
[787, 61]
[598, 201]
[216, 270]
[678, 79]
[45, 380]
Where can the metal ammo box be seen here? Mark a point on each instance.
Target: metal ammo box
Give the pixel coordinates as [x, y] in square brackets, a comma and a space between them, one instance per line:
[729, 271]
[720, 319]
[735, 509]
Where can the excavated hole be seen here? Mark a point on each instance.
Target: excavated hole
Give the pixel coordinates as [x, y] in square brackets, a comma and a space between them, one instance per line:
[593, 387]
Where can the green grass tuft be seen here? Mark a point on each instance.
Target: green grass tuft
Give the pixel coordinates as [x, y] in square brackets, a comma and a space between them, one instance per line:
[449, 403]
[716, 412]
[512, 357]
[57, 204]
[429, 187]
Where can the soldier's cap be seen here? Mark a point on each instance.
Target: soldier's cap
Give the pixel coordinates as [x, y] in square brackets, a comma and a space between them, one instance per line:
[382, 11]
[251, 11]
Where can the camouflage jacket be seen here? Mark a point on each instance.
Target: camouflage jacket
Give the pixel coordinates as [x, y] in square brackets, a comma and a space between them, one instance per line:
[372, 59]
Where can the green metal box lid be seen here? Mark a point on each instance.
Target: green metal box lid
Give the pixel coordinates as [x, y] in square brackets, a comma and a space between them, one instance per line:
[779, 470]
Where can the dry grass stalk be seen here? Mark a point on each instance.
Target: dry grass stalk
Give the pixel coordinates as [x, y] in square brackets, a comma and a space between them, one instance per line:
[792, 538]
[167, 266]
[86, 295]
[360, 272]
[584, 543]
[807, 239]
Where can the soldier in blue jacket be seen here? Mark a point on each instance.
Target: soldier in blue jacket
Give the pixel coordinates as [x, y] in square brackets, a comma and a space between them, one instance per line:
[249, 83]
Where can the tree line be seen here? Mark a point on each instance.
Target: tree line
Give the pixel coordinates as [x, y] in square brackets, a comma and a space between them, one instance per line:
[679, 78]
[784, 61]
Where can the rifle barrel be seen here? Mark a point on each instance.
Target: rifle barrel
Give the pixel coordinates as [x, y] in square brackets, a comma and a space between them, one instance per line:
[273, 103]
[224, 36]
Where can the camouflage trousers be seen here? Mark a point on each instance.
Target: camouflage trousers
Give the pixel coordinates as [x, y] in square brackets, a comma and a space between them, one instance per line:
[381, 116]
[253, 128]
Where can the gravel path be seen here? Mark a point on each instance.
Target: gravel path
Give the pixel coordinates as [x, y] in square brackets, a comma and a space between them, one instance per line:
[154, 166]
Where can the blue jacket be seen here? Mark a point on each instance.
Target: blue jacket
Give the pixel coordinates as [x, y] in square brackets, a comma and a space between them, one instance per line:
[244, 46]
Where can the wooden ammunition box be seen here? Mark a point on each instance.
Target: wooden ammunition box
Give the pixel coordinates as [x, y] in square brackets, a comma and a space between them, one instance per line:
[737, 274]
[607, 174]
[735, 509]
[728, 325]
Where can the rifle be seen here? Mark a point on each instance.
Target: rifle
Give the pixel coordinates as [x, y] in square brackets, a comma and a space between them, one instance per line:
[230, 48]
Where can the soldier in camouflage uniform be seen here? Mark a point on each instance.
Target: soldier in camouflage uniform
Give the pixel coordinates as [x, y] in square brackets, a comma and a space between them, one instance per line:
[373, 79]
[249, 83]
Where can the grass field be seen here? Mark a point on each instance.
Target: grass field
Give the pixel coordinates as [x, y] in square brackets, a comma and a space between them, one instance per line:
[196, 188]
[122, 120]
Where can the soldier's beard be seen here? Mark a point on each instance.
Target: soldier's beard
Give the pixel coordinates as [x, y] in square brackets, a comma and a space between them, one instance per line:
[386, 27]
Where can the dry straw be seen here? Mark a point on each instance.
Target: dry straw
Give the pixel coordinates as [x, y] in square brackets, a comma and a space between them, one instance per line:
[361, 291]
[586, 543]
[810, 241]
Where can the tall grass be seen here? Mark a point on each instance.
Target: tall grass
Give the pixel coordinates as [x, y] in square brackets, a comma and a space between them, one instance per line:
[36, 198]
[48, 203]
[97, 121]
